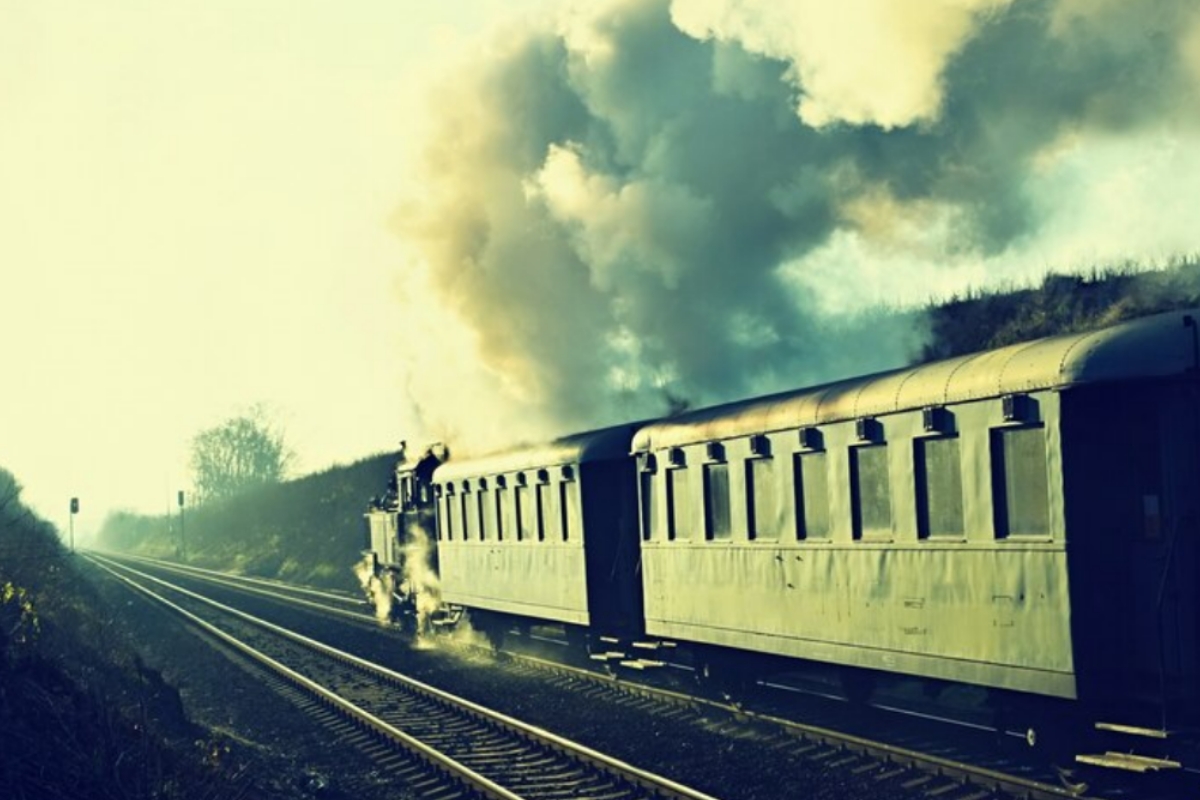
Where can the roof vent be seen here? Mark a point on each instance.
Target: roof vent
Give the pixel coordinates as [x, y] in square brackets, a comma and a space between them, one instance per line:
[715, 451]
[868, 429]
[936, 419]
[1017, 407]
[811, 438]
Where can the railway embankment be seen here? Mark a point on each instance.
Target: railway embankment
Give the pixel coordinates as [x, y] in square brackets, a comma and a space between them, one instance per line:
[84, 714]
[307, 530]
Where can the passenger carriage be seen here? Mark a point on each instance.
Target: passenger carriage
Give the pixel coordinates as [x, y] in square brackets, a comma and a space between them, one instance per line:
[1024, 519]
[544, 533]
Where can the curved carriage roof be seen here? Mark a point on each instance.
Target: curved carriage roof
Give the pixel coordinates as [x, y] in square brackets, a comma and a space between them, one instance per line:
[1151, 347]
[578, 448]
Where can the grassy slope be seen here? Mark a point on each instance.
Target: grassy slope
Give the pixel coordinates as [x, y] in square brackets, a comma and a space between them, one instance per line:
[80, 714]
[1061, 304]
[308, 530]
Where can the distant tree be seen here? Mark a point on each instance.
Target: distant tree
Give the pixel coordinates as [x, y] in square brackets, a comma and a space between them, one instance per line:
[241, 453]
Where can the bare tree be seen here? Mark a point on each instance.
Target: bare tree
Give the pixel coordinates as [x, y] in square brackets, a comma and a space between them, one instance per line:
[239, 454]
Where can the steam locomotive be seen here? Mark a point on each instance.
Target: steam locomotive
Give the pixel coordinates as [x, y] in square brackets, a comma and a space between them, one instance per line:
[1023, 520]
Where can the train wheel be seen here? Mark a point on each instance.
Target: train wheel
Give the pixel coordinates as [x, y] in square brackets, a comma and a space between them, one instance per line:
[492, 626]
[723, 673]
[858, 685]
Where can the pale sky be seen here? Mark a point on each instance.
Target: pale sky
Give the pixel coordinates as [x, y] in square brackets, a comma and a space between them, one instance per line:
[484, 220]
[194, 207]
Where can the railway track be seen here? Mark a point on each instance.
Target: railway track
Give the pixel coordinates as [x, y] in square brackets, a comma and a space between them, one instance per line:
[931, 774]
[465, 750]
[347, 604]
[906, 764]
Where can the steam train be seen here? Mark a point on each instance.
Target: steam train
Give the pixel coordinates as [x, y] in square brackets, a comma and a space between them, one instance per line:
[1024, 520]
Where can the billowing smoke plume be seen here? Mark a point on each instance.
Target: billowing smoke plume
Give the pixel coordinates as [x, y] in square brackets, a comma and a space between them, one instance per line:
[694, 198]
[419, 581]
[377, 588]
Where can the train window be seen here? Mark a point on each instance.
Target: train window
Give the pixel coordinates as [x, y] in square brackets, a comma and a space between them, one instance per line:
[762, 499]
[650, 529]
[469, 520]
[451, 512]
[679, 504]
[811, 475]
[716, 501]
[503, 513]
[487, 519]
[939, 488]
[545, 517]
[527, 519]
[509, 512]
[443, 516]
[871, 491]
[568, 497]
[1020, 489]
[551, 517]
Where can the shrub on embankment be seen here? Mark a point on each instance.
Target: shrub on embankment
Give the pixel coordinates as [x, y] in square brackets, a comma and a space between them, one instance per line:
[80, 714]
[308, 530]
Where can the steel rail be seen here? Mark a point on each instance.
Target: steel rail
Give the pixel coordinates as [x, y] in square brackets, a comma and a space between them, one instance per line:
[938, 765]
[224, 580]
[431, 756]
[657, 784]
[217, 574]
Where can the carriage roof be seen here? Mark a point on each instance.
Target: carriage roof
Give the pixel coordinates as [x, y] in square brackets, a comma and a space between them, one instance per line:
[1151, 347]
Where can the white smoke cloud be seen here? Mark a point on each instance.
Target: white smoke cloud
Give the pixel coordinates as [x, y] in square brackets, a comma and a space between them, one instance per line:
[642, 226]
[622, 205]
[854, 61]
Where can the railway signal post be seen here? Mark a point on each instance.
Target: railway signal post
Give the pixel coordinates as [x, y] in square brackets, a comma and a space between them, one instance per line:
[74, 511]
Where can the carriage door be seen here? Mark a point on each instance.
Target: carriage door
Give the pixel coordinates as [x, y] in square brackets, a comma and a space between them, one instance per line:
[1164, 470]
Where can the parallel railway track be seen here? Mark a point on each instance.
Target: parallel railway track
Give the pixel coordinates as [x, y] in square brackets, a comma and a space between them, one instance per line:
[917, 768]
[471, 751]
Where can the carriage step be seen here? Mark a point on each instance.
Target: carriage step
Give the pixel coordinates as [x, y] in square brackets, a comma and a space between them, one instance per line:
[1132, 730]
[642, 663]
[1128, 762]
